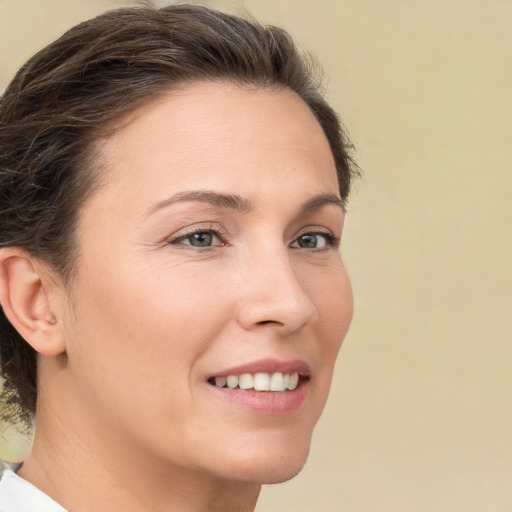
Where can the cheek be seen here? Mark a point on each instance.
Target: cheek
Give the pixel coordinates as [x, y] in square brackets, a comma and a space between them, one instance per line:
[334, 303]
[332, 297]
[145, 328]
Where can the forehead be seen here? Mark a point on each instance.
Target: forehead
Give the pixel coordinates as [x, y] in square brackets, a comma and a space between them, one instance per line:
[217, 134]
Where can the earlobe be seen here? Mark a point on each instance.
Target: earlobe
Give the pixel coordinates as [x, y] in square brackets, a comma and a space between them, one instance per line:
[26, 302]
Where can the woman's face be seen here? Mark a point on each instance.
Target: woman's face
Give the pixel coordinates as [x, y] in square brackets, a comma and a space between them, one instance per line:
[211, 250]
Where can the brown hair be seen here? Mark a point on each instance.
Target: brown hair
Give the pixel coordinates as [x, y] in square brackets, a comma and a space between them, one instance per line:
[51, 114]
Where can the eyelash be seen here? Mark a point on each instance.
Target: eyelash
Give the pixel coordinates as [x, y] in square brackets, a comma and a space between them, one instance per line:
[219, 233]
[216, 231]
[330, 240]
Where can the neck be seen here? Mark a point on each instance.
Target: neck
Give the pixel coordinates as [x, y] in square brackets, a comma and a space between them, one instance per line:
[84, 471]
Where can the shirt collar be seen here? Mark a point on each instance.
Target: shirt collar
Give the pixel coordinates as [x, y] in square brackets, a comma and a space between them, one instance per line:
[18, 495]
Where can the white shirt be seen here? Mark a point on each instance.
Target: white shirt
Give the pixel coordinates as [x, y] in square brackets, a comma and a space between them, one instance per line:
[17, 495]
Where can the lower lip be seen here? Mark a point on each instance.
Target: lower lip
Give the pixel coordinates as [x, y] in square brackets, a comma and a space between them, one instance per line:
[265, 402]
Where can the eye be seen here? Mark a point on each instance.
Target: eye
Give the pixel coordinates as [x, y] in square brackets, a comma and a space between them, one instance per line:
[313, 241]
[202, 238]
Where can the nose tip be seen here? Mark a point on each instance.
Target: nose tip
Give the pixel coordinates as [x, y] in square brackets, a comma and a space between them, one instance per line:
[274, 298]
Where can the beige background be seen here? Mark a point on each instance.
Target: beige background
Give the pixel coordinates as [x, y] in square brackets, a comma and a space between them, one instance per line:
[420, 417]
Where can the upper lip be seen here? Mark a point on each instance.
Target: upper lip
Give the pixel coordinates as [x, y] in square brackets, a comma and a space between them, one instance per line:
[268, 366]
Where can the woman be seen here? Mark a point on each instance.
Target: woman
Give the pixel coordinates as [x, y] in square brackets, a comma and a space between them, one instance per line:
[173, 188]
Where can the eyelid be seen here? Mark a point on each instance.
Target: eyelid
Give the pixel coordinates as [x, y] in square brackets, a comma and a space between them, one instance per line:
[314, 230]
[220, 232]
[215, 229]
[331, 240]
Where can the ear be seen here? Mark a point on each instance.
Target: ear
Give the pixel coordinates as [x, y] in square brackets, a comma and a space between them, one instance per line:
[25, 295]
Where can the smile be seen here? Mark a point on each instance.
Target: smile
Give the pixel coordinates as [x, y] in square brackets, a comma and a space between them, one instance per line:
[266, 386]
[277, 382]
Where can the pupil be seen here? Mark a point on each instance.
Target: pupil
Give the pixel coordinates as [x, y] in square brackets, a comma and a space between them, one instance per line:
[201, 239]
[308, 241]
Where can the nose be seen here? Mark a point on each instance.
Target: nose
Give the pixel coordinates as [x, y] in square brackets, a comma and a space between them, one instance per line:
[272, 296]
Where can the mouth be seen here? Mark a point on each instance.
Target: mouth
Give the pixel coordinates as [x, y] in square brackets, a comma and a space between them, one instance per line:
[268, 387]
[274, 382]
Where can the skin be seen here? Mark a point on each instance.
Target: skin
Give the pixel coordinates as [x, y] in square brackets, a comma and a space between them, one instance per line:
[126, 419]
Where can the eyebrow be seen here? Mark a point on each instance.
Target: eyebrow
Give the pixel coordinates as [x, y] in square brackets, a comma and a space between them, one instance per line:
[320, 201]
[232, 201]
[236, 202]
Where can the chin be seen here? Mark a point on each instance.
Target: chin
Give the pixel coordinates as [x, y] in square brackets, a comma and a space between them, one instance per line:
[268, 475]
[283, 474]
[270, 465]
[278, 473]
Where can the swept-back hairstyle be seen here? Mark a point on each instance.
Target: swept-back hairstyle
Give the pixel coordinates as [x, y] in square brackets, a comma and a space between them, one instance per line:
[60, 101]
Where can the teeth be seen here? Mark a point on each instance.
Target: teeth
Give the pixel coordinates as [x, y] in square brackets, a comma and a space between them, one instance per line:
[260, 381]
[232, 381]
[246, 381]
[277, 382]
[294, 381]
[220, 381]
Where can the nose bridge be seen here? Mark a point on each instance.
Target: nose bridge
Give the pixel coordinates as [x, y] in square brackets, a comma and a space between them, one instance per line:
[272, 293]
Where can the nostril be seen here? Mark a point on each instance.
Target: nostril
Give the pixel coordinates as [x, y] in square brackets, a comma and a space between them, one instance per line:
[265, 322]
